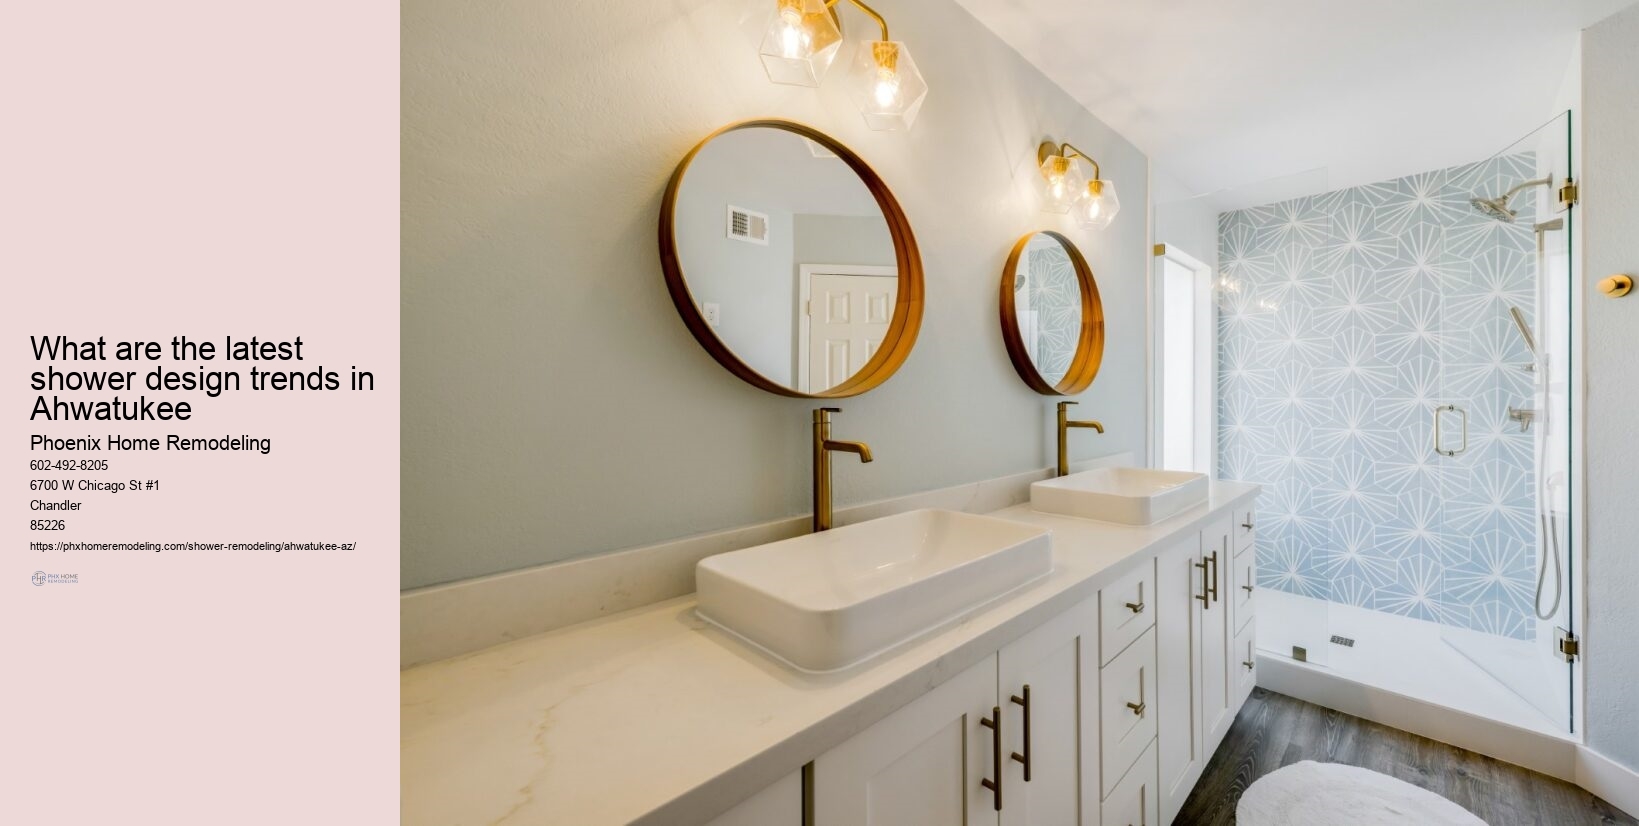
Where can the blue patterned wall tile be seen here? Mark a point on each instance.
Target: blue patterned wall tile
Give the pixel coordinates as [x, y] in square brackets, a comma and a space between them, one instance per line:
[1344, 319]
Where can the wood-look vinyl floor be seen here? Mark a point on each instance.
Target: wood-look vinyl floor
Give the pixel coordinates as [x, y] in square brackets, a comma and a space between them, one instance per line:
[1274, 730]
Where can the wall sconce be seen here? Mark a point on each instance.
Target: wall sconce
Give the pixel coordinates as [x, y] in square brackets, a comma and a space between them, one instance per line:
[1093, 201]
[802, 41]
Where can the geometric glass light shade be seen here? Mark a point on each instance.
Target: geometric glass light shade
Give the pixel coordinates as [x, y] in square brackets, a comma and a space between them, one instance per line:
[1098, 204]
[801, 41]
[1062, 182]
[886, 85]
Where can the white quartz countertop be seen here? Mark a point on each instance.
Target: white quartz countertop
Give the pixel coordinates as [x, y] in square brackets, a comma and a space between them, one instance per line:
[653, 716]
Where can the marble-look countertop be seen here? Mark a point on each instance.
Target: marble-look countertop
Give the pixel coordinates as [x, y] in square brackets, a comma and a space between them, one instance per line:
[653, 716]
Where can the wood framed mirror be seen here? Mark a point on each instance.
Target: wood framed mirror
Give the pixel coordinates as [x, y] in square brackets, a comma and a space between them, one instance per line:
[1052, 318]
[790, 261]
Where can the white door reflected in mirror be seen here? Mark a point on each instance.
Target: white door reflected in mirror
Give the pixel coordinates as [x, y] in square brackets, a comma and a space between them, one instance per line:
[847, 314]
[788, 255]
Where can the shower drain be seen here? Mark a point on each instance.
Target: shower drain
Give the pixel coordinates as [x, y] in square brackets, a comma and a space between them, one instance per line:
[1343, 641]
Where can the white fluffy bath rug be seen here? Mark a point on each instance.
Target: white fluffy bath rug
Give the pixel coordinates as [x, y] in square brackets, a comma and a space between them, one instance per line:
[1310, 794]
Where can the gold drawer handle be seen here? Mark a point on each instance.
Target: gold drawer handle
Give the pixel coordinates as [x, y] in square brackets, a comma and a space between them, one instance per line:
[1213, 561]
[1017, 757]
[1135, 607]
[1138, 708]
[994, 723]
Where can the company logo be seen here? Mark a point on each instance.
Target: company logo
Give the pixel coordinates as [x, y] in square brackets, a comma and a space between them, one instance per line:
[39, 578]
[43, 578]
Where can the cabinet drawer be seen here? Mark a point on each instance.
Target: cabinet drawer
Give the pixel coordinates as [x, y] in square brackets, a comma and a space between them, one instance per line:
[1126, 609]
[1243, 577]
[1245, 528]
[1135, 801]
[1126, 709]
[1243, 662]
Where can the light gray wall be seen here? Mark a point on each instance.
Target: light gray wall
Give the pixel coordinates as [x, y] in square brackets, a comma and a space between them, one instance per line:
[555, 405]
[1610, 228]
[1183, 220]
[843, 239]
[750, 283]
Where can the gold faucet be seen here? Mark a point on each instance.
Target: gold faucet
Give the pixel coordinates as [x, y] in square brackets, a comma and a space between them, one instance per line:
[1065, 424]
[823, 445]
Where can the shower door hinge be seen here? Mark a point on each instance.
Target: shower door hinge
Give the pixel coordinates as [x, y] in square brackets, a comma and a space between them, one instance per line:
[1570, 647]
[1568, 194]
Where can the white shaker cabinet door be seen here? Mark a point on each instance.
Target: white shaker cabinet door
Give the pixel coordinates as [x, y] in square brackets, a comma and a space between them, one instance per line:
[777, 805]
[1048, 684]
[923, 765]
[1217, 637]
[1180, 594]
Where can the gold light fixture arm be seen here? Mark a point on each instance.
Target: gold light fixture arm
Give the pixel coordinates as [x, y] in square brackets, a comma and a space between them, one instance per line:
[1069, 151]
[1064, 150]
[831, 4]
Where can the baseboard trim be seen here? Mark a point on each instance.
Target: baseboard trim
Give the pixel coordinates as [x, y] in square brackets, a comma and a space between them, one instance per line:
[1617, 784]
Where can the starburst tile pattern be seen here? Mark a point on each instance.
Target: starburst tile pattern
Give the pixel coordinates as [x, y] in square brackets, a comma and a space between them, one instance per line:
[1343, 320]
[1056, 296]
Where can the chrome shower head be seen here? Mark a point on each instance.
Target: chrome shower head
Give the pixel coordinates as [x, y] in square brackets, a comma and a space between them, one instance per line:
[1498, 208]
[1494, 208]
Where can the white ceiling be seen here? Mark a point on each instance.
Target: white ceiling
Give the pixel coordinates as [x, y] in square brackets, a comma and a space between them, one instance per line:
[1321, 94]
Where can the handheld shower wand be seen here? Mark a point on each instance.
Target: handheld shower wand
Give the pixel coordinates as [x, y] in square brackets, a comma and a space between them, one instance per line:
[1524, 330]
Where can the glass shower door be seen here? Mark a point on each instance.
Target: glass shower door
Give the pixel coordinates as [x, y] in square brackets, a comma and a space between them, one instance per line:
[1500, 430]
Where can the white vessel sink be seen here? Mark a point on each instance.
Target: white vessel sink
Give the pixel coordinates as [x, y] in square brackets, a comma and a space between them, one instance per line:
[1128, 495]
[829, 600]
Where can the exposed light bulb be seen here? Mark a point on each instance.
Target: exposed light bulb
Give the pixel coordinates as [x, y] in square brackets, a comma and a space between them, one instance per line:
[886, 85]
[1061, 183]
[1091, 207]
[886, 89]
[794, 36]
[801, 40]
[1096, 207]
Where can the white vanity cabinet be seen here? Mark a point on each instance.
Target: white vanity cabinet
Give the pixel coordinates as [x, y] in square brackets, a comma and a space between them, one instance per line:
[1200, 688]
[934, 761]
[923, 765]
[1107, 712]
[1217, 636]
[1044, 681]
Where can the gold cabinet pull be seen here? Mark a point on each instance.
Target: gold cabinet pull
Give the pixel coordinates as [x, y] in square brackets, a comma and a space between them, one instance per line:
[1213, 561]
[994, 723]
[1138, 708]
[1135, 607]
[1024, 758]
[1205, 596]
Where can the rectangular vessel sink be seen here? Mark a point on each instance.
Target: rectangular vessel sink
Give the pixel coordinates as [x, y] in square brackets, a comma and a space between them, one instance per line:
[1127, 495]
[830, 600]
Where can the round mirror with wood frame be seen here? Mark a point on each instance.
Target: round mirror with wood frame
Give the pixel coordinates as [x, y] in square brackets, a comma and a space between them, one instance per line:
[825, 312]
[1054, 336]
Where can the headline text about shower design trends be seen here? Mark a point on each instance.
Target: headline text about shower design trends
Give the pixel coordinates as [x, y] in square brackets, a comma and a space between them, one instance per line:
[119, 376]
